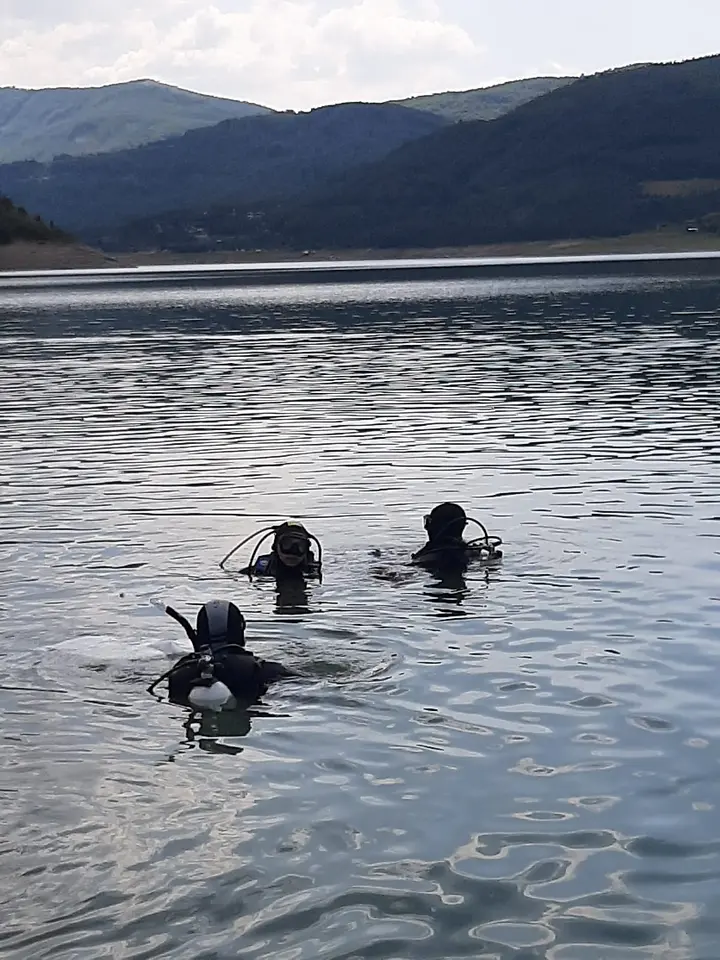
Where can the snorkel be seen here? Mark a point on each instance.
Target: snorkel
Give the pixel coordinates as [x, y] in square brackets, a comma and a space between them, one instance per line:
[291, 546]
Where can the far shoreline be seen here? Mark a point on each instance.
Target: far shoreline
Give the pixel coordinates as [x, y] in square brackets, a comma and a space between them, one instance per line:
[675, 242]
[23, 256]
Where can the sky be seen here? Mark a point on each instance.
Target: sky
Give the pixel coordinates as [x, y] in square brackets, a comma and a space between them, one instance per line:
[297, 54]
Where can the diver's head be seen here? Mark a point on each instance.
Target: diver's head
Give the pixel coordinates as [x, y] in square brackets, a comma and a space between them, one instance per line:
[446, 521]
[291, 545]
[220, 622]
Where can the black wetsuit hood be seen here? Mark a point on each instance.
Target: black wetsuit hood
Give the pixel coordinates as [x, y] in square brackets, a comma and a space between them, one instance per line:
[219, 623]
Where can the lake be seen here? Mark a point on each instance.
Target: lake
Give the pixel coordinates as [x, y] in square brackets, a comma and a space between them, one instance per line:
[519, 764]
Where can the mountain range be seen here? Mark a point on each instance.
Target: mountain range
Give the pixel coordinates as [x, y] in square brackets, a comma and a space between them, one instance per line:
[237, 160]
[42, 124]
[612, 153]
[79, 176]
[79, 121]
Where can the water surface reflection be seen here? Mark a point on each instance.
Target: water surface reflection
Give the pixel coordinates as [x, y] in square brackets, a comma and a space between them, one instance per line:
[520, 762]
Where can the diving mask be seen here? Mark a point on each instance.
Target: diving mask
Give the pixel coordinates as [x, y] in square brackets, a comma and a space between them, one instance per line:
[292, 548]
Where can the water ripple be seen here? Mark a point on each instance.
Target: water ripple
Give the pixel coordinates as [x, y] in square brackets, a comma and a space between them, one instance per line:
[518, 763]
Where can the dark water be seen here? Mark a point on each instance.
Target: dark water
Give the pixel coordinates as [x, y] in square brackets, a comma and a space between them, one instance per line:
[521, 764]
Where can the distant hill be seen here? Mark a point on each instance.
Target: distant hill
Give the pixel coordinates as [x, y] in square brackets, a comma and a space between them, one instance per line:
[237, 161]
[42, 124]
[486, 103]
[17, 224]
[610, 154]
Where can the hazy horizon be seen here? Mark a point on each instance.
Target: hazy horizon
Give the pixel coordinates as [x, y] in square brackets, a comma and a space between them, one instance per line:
[119, 83]
[298, 54]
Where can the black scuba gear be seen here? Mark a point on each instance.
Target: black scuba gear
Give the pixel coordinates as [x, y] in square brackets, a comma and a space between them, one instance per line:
[219, 660]
[291, 554]
[445, 547]
[270, 565]
[245, 676]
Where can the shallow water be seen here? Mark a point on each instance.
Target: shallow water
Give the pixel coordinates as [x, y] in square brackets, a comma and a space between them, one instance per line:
[521, 764]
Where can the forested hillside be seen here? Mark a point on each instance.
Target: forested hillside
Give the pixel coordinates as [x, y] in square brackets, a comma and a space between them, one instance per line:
[17, 224]
[608, 154]
[238, 160]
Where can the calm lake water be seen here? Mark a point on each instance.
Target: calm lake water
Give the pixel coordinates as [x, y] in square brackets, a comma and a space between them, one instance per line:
[520, 764]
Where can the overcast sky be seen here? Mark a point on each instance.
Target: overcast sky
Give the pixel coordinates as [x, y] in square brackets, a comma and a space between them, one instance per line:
[301, 53]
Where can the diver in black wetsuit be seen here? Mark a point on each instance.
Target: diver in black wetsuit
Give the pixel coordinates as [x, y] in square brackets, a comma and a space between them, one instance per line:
[446, 548]
[290, 557]
[220, 672]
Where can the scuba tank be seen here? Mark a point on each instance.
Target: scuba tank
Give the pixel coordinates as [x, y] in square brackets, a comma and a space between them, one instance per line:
[207, 692]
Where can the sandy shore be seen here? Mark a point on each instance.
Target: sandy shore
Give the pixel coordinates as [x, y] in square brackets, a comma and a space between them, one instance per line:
[52, 256]
[56, 256]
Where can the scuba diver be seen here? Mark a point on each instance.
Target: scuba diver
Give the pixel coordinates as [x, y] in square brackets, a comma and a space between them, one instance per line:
[290, 557]
[446, 548]
[220, 672]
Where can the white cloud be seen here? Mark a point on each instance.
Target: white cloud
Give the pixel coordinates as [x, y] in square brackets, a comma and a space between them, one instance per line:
[297, 53]
[286, 53]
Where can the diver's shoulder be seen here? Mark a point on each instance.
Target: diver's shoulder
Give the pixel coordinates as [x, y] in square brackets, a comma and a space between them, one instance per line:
[430, 552]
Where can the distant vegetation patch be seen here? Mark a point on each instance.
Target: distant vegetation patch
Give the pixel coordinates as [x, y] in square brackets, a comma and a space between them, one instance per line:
[485, 103]
[710, 222]
[680, 188]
